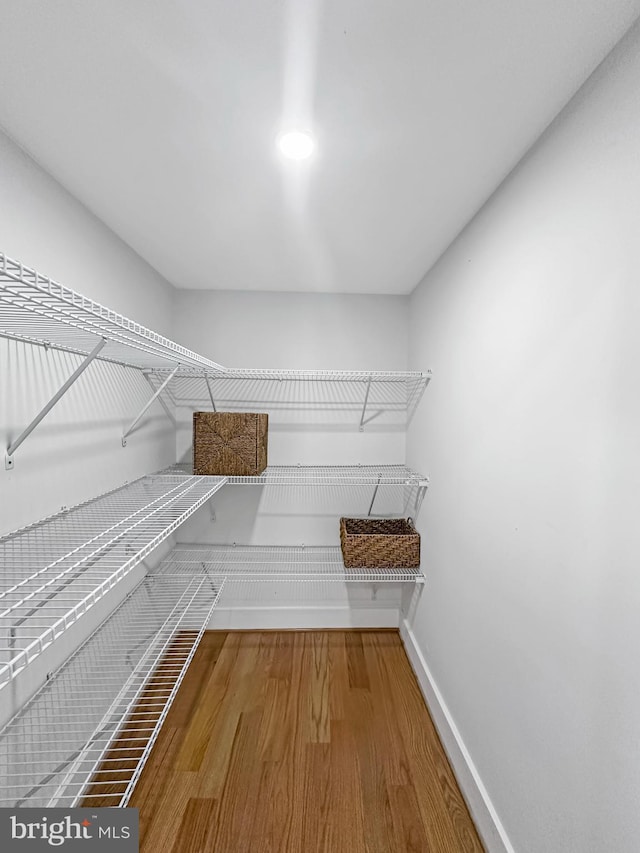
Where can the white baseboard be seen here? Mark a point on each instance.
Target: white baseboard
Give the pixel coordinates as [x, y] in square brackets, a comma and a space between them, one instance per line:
[302, 618]
[484, 815]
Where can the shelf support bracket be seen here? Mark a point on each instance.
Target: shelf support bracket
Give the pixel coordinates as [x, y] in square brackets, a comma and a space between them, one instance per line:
[160, 400]
[57, 396]
[364, 407]
[375, 492]
[422, 490]
[213, 404]
[146, 406]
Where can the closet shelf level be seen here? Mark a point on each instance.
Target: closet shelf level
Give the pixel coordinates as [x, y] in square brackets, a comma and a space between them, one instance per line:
[54, 571]
[328, 475]
[84, 737]
[378, 399]
[410, 485]
[279, 563]
[40, 310]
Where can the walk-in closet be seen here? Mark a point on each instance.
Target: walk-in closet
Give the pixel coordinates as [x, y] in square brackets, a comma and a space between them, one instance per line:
[318, 477]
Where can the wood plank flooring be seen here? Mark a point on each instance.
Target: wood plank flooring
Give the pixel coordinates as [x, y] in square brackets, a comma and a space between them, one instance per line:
[295, 742]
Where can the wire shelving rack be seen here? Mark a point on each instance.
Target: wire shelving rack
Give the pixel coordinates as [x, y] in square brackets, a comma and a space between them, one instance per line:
[324, 475]
[84, 737]
[364, 397]
[412, 484]
[54, 571]
[40, 310]
[334, 475]
[279, 563]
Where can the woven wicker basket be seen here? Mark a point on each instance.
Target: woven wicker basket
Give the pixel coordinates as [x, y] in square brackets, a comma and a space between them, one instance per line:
[230, 443]
[371, 543]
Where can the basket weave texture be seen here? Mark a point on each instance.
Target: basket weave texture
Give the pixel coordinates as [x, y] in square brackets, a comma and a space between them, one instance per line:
[231, 444]
[372, 543]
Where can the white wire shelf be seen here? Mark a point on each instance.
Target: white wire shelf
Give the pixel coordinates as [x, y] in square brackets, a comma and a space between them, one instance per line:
[54, 571]
[407, 487]
[282, 375]
[334, 475]
[327, 475]
[85, 736]
[278, 563]
[38, 309]
[364, 397]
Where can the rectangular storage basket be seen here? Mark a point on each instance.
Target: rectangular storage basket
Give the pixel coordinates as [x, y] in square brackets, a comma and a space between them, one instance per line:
[379, 543]
[230, 444]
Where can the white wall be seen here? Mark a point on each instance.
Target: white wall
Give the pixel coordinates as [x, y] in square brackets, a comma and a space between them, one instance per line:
[302, 331]
[75, 453]
[45, 227]
[529, 622]
[294, 330]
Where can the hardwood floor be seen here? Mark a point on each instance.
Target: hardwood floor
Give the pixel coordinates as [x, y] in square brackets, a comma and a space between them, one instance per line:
[298, 742]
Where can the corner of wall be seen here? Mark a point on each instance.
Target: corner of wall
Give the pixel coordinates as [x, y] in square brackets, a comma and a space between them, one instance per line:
[475, 794]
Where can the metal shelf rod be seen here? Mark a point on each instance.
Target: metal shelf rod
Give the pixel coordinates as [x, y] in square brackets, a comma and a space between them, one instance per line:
[364, 407]
[375, 492]
[146, 406]
[208, 384]
[160, 399]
